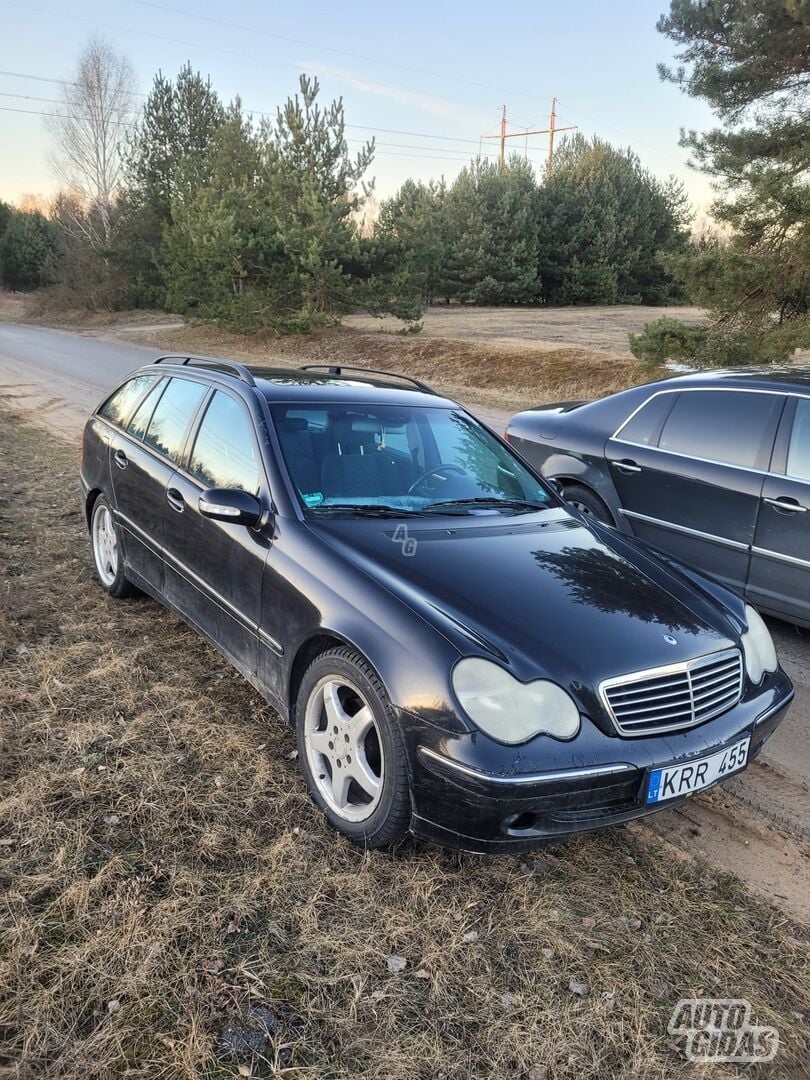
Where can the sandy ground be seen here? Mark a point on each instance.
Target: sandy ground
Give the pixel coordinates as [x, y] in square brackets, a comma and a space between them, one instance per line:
[602, 329]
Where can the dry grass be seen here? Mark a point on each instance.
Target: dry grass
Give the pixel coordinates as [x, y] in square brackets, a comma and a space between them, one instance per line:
[162, 869]
[481, 373]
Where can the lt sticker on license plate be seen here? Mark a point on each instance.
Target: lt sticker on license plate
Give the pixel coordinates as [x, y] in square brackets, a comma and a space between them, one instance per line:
[684, 779]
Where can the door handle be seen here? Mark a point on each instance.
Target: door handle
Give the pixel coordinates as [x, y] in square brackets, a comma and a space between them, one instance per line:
[786, 505]
[626, 466]
[176, 500]
[120, 459]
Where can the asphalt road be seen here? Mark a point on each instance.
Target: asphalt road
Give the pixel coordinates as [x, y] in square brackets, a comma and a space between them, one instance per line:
[60, 376]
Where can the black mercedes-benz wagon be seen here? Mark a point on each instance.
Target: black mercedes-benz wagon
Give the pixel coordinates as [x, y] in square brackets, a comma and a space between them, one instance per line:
[712, 468]
[461, 654]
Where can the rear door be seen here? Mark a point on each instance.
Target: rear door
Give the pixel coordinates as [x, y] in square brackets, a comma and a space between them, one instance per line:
[142, 460]
[689, 472]
[780, 563]
[138, 479]
[214, 568]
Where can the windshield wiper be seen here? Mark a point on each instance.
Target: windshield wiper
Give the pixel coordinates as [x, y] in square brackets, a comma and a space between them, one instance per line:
[491, 502]
[364, 510]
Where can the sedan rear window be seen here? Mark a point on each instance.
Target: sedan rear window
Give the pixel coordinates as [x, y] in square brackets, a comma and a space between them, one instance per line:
[798, 463]
[643, 427]
[730, 427]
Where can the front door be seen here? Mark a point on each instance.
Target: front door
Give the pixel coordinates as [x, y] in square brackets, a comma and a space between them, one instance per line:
[214, 568]
[694, 490]
[780, 564]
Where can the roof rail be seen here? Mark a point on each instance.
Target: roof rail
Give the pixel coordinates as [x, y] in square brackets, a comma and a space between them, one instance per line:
[338, 369]
[238, 369]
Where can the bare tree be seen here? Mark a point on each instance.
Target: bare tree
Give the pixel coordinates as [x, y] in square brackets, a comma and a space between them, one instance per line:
[89, 131]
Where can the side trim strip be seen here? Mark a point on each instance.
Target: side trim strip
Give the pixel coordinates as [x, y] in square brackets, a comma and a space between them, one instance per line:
[778, 555]
[683, 529]
[537, 778]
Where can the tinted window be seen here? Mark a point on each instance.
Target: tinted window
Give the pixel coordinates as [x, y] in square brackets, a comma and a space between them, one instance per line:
[138, 424]
[172, 415]
[643, 428]
[733, 428]
[118, 407]
[223, 450]
[798, 463]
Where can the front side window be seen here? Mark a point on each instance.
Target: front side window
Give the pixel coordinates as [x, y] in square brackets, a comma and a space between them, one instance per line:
[410, 459]
[170, 420]
[118, 406]
[798, 462]
[223, 454]
[731, 427]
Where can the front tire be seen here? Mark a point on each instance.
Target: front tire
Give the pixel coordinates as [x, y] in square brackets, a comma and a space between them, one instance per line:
[105, 541]
[350, 749]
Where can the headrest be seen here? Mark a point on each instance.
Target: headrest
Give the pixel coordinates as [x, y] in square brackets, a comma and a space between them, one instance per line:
[294, 423]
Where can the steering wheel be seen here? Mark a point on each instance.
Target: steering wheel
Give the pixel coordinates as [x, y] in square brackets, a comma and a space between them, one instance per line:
[438, 470]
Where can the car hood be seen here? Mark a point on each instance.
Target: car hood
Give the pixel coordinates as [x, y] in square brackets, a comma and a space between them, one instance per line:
[543, 592]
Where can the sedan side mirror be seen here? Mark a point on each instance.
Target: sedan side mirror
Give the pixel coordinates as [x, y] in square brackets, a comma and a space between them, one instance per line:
[230, 504]
[556, 486]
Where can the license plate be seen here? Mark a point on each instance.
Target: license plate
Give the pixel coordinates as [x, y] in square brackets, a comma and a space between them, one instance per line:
[696, 775]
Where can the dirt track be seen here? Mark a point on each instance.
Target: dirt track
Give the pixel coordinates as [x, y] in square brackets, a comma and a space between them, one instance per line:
[601, 329]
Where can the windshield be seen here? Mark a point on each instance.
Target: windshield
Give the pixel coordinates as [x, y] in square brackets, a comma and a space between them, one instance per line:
[391, 459]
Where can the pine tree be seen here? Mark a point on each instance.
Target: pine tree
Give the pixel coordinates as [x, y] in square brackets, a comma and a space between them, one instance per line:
[750, 60]
[604, 224]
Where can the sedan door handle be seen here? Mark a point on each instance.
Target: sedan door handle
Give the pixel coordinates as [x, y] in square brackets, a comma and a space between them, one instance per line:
[786, 505]
[626, 466]
[176, 500]
[120, 459]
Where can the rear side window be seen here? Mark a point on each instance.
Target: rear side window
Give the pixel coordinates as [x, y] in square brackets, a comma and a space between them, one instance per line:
[798, 462]
[223, 453]
[734, 428]
[140, 421]
[118, 406]
[171, 418]
[643, 428]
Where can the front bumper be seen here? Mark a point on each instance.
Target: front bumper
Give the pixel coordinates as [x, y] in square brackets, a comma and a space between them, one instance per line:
[474, 794]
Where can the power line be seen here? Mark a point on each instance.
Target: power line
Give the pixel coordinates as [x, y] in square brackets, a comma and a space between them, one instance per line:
[433, 155]
[186, 44]
[327, 48]
[260, 112]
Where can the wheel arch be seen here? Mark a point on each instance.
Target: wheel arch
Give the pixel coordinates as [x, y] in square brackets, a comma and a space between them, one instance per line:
[90, 502]
[576, 481]
[310, 649]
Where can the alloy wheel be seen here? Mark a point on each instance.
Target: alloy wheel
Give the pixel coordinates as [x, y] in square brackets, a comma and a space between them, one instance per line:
[343, 748]
[105, 546]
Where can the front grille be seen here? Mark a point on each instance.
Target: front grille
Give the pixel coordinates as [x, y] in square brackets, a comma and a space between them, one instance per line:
[673, 697]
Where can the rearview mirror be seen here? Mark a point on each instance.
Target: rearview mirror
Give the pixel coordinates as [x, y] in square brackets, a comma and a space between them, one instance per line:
[230, 504]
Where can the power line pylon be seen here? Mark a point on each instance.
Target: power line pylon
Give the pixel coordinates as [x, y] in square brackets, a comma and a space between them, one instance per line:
[551, 130]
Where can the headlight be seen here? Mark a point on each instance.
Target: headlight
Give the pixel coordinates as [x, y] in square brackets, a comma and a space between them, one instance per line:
[511, 711]
[757, 643]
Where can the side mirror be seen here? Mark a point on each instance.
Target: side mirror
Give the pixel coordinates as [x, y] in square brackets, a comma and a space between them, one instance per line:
[555, 486]
[230, 504]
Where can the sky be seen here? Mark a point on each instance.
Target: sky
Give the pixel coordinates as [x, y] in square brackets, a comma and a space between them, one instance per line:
[426, 79]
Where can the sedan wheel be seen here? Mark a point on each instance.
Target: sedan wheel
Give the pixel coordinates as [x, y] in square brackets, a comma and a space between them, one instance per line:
[587, 502]
[350, 749]
[344, 749]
